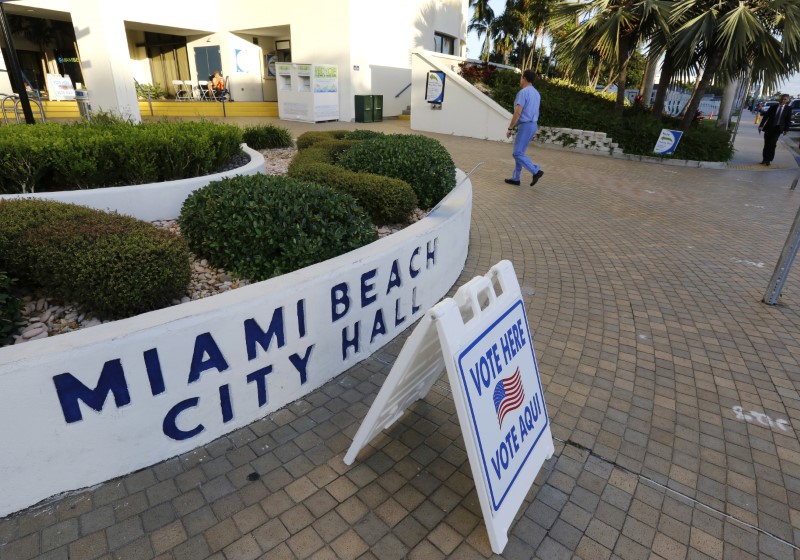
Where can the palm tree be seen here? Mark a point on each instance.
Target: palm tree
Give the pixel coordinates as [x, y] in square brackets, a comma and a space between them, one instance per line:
[506, 31]
[541, 12]
[726, 37]
[481, 23]
[613, 29]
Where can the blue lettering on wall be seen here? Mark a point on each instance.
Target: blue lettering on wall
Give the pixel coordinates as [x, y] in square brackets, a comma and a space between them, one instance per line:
[260, 377]
[154, 375]
[300, 363]
[301, 318]
[253, 334]
[394, 277]
[398, 319]
[70, 391]
[378, 326]
[431, 253]
[204, 345]
[411, 270]
[368, 294]
[225, 403]
[170, 428]
[350, 342]
[340, 301]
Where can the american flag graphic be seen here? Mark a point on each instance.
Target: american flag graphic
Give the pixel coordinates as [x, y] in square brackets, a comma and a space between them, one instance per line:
[508, 395]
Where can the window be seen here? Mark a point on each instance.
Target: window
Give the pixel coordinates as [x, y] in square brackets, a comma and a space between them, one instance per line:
[444, 43]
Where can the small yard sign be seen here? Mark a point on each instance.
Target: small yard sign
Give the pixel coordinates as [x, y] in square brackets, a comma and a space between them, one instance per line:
[667, 142]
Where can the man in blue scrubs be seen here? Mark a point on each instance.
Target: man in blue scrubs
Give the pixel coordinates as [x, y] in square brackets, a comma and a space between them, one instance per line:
[526, 116]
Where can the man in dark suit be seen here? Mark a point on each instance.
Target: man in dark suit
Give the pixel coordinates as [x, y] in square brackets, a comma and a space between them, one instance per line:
[775, 122]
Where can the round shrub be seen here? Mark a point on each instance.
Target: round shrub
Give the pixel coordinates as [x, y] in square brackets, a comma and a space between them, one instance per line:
[362, 134]
[386, 200]
[308, 139]
[420, 161]
[10, 307]
[259, 226]
[267, 137]
[111, 265]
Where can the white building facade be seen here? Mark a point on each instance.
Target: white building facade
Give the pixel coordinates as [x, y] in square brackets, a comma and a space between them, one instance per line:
[151, 41]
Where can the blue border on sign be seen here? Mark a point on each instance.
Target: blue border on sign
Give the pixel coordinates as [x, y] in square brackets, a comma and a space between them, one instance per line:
[496, 504]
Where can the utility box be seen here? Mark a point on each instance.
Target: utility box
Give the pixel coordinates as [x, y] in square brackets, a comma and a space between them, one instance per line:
[308, 92]
[364, 108]
[377, 108]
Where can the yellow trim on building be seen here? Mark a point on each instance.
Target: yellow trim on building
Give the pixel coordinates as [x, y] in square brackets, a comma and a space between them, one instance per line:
[69, 109]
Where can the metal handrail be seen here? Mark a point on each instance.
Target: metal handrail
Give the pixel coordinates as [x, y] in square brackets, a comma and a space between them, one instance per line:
[38, 101]
[402, 90]
[34, 102]
[12, 97]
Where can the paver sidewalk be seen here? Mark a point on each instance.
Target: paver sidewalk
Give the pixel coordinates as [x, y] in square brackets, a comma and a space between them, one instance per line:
[672, 392]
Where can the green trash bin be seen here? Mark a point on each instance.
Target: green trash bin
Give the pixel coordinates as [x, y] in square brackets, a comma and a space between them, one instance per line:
[377, 108]
[364, 108]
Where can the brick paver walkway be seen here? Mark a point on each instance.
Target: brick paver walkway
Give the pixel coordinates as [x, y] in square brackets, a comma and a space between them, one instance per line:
[672, 391]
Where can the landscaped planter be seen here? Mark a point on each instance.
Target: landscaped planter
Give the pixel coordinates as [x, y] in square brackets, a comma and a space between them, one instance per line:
[87, 406]
[150, 201]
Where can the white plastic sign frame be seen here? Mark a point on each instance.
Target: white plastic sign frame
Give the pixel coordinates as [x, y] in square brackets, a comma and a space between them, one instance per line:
[485, 344]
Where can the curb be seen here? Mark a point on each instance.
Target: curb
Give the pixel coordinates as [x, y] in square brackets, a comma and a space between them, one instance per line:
[634, 157]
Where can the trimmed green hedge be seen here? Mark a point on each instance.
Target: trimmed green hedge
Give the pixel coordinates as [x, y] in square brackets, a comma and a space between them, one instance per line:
[565, 105]
[10, 307]
[54, 156]
[266, 137]
[112, 265]
[420, 161]
[259, 226]
[385, 199]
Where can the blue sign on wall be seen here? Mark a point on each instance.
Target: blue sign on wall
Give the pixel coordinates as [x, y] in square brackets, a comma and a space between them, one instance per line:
[434, 87]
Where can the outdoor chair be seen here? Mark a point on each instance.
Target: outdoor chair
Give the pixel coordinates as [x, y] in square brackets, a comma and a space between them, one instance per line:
[189, 87]
[202, 88]
[181, 93]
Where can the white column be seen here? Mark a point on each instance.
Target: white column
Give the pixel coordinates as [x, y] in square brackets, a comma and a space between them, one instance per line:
[107, 70]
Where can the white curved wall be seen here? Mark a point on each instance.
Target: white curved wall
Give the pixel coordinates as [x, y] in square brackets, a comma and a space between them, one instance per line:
[98, 403]
[139, 201]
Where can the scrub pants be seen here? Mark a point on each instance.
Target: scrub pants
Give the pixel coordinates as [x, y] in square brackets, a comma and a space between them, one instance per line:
[525, 132]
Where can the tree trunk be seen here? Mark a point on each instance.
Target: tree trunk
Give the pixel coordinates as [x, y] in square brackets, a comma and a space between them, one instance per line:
[538, 51]
[646, 91]
[708, 74]
[667, 72]
[622, 74]
[593, 79]
[725, 107]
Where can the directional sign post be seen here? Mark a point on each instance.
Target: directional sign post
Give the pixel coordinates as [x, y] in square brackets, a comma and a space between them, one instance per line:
[485, 344]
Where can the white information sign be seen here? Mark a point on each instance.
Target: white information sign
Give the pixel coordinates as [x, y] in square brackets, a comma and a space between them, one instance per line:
[60, 88]
[485, 344]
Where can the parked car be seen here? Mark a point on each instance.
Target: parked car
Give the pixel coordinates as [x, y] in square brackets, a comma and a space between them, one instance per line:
[765, 107]
[795, 105]
[611, 89]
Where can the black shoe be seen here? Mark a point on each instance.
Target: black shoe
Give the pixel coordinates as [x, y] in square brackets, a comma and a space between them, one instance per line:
[512, 182]
[537, 177]
[766, 163]
[763, 162]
